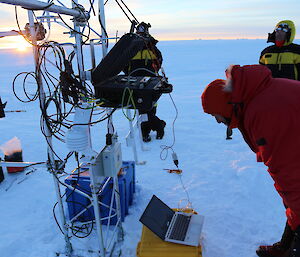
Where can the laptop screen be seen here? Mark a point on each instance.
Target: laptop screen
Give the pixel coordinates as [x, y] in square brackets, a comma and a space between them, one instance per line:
[157, 216]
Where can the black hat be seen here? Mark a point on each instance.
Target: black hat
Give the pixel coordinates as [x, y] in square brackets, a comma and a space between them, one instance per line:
[143, 27]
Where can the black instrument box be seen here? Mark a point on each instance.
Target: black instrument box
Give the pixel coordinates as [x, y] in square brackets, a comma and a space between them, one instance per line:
[131, 92]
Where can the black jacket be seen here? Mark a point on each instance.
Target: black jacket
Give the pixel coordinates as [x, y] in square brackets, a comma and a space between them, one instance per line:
[284, 62]
[147, 61]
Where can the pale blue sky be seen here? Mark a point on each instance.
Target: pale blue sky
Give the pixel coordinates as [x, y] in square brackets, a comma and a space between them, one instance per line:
[193, 19]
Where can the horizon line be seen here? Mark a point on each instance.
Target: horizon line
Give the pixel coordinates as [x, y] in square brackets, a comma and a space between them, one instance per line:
[166, 40]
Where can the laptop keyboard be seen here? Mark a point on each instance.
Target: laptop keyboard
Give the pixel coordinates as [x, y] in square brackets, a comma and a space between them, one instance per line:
[180, 227]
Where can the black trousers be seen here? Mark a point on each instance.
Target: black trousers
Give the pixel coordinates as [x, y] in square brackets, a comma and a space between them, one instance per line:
[153, 123]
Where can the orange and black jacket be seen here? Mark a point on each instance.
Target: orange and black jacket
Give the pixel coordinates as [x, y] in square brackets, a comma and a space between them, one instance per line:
[284, 62]
[146, 62]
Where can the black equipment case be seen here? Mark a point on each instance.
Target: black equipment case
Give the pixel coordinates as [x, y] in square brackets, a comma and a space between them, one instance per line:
[131, 92]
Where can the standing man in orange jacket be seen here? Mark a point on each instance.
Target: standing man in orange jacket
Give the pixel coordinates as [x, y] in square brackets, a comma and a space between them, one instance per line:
[267, 112]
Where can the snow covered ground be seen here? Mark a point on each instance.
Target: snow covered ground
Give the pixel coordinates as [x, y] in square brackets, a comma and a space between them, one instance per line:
[224, 182]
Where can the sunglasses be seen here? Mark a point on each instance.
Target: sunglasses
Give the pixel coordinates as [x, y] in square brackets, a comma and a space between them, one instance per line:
[283, 27]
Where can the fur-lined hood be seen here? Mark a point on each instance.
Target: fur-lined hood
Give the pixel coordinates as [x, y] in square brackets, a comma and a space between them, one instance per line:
[292, 33]
[245, 83]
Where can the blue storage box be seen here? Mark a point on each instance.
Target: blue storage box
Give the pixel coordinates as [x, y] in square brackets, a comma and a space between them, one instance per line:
[77, 203]
[128, 176]
[105, 199]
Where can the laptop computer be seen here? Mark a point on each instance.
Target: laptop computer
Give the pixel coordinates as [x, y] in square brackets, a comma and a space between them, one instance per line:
[176, 227]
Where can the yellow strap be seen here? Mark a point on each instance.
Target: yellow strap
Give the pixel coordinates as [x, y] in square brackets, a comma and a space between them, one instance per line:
[144, 55]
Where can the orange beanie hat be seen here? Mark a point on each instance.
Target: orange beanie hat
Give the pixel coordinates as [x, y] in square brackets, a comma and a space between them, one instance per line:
[215, 100]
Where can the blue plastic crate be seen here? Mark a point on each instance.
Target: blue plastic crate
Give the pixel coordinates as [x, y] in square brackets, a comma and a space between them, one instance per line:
[78, 203]
[105, 198]
[128, 175]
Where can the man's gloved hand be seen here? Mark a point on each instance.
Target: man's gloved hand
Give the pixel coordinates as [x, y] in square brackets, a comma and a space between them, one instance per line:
[166, 87]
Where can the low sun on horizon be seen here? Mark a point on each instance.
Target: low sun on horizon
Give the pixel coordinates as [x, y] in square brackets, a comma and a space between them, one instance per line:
[17, 43]
[22, 45]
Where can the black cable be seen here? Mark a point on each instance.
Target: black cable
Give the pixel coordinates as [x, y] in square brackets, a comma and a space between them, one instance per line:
[72, 227]
[92, 6]
[75, 184]
[54, 215]
[70, 28]
[141, 69]
[54, 122]
[87, 21]
[33, 164]
[105, 32]
[123, 10]
[129, 11]
[20, 31]
[47, 138]
[55, 97]
[27, 74]
[40, 9]
[165, 147]
[97, 121]
[80, 229]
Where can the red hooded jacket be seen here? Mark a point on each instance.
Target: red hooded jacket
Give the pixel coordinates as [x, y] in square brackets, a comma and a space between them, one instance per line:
[268, 113]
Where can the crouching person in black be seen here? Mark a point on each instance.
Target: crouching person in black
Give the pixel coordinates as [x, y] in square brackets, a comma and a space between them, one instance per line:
[2, 106]
[147, 62]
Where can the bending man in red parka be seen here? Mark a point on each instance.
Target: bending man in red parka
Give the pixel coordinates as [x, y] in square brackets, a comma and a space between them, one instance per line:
[267, 112]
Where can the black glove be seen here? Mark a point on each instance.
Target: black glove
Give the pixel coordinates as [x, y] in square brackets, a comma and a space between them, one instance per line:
[295, 247]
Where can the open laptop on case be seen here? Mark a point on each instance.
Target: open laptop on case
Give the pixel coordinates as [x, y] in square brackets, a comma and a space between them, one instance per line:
[171, 226]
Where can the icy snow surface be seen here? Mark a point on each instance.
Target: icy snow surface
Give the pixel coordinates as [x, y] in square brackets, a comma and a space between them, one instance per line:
[224, 182]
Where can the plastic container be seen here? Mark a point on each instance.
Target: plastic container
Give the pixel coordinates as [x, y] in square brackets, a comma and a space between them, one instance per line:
[77, 203]
[128, 176]
[152, 246]
[12, 150]
[14, 157]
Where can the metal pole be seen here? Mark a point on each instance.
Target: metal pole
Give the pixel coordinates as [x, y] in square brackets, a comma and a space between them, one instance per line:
[139, 128]
[38, 5]
[92, 49]
[16, 164]
[78, 48]
[42, 98]
[104, 35]
[118, 205]
[128, 112]
[103, 27]
[95, 189]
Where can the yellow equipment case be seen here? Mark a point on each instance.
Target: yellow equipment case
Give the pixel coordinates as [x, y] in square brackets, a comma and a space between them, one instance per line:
[152, 246]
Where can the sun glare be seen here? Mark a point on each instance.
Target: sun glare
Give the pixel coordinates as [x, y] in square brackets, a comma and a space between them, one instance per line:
[22, 46]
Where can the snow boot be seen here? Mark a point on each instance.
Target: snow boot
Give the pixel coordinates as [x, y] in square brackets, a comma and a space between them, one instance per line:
[161, 131]
[146, 138]
[279, 249]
